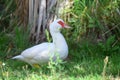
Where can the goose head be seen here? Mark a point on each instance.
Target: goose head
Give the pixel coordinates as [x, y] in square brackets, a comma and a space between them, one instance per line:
[56, 25]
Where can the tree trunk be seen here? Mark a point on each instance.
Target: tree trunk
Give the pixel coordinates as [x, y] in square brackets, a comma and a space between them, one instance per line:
[37, 14]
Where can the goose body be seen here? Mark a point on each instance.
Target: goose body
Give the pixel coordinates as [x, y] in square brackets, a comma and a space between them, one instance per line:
[42, 53]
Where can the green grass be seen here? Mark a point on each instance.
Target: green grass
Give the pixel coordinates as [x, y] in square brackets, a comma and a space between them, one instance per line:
[83, 63]
[85, 60]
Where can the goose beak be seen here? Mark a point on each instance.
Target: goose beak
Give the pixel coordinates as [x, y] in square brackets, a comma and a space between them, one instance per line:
[66, 26]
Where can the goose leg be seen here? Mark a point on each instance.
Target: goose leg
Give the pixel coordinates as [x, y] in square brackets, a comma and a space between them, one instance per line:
[36, 65]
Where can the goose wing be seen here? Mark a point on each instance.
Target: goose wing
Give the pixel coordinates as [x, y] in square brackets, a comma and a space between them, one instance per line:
[38, 50]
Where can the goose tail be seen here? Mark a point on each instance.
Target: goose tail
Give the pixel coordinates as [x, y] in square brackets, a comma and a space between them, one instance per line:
[19, 57]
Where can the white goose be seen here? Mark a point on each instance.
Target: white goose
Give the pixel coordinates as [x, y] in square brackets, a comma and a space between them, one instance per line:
[43, 52]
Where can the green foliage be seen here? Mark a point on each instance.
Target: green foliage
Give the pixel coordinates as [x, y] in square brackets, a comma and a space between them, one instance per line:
[7, 7]
[11, 44]
[109, 46]
[48, 36]
[5, 40]
[94, 19]
[21, 38]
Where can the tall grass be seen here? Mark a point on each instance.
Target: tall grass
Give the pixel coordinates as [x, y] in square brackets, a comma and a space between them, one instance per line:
[13, 38]
[6, 12]
[94, 19]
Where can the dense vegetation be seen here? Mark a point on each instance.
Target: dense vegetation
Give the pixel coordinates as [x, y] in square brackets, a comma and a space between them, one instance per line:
[94, 43]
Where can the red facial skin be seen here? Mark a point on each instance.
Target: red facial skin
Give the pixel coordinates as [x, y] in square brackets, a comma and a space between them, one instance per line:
[62, 24]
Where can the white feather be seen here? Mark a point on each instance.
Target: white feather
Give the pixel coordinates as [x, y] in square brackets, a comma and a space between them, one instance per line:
[43, 52]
